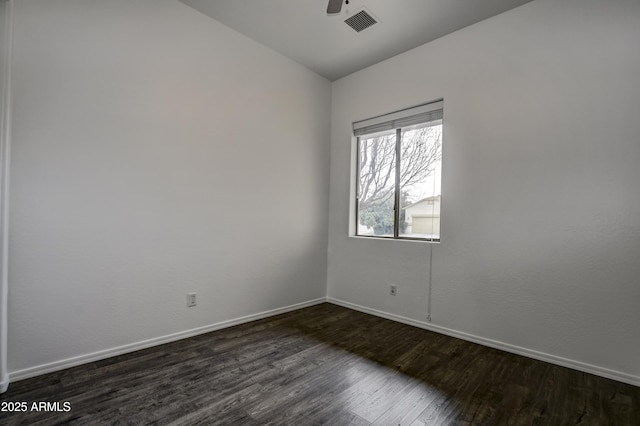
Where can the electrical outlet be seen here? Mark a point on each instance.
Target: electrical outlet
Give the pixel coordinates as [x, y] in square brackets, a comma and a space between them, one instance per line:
[393, 289]
[191, 300]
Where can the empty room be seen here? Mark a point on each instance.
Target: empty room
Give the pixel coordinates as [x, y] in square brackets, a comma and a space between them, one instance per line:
[363, 212]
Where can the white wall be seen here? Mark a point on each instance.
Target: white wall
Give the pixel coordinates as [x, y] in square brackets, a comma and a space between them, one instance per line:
[541, 205]
[142, 129]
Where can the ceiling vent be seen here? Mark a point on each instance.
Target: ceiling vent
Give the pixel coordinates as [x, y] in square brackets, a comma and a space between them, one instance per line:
[361, 20]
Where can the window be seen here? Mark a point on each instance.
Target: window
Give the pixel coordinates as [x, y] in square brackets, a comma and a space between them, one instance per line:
[398, 178]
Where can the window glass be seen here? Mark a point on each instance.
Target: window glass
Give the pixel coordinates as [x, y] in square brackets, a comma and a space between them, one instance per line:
[376, 184]
[420, 186]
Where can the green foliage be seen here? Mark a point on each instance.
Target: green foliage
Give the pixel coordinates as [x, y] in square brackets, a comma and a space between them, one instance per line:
[379, 216]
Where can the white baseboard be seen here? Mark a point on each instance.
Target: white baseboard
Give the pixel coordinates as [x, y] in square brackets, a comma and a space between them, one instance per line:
[553, 359]
[108, 353]
[4, 383]
[96, 356]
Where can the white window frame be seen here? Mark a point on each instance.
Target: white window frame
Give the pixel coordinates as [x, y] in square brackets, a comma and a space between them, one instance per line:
[421, 114]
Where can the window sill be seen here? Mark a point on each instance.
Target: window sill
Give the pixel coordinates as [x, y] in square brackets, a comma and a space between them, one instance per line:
[411, 240]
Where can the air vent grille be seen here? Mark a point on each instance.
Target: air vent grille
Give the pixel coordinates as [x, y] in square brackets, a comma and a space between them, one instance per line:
[360, 21]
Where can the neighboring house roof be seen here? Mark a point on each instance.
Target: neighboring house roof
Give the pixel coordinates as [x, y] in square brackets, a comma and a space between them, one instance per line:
[434, 198]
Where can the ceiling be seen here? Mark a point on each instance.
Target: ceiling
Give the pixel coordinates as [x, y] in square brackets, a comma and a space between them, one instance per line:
[302, 30]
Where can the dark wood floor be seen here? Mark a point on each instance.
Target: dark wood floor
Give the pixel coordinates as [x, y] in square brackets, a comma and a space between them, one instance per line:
[324, 365]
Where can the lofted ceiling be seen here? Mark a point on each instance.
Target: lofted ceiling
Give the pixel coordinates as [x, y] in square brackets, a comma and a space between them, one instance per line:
[302, 30]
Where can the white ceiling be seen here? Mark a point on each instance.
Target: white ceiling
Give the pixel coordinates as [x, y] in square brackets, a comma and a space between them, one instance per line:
[302, 30]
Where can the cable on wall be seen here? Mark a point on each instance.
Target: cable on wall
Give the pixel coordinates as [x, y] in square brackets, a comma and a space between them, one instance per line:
[433, 219]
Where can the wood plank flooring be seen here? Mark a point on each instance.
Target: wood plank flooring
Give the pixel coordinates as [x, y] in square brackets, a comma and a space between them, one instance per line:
[324, 365]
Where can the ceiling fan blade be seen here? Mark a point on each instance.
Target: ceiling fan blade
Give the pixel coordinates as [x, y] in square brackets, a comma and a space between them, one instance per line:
[334, 7]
